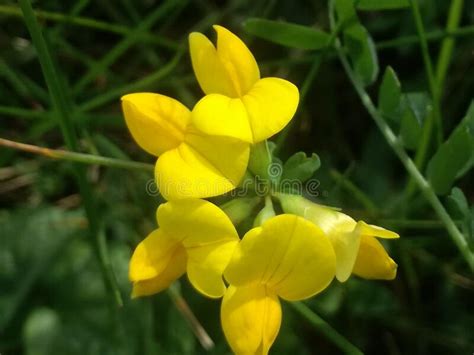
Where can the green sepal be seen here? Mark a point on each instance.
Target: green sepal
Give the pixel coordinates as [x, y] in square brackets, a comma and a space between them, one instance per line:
[300, 167]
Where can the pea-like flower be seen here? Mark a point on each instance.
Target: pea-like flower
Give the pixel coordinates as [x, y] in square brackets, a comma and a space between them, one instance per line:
[287, 257]
[357, 250]
[194, 237]
[237, 103]
[190, 164]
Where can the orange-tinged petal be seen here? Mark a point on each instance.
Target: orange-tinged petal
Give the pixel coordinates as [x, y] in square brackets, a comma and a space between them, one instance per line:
[373, 262]
[251, 319]
[156, 122]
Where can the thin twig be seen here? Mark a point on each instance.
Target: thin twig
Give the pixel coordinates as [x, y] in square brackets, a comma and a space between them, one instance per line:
[456, 235]
[76, 157]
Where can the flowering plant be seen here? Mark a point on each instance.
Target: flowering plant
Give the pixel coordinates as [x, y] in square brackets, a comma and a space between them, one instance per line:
[215, 148]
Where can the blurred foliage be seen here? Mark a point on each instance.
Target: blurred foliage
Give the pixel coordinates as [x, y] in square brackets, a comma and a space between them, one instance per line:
[52, 298]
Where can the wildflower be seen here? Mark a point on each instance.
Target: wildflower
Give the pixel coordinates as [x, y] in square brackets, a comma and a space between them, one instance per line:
[194, 236]
[357, 250]
[237, 103]
[190, 163]
[287, 257]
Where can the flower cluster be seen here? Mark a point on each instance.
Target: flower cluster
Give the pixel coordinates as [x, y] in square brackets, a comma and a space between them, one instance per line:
[204, 152]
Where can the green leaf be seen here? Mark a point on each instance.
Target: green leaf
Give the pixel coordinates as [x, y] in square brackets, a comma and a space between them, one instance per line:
[459, 207]
[414, 108]
[458, 200]
[410, 130]
[382, 4]
[287, 34]
[358, 42]
[41, 330]
[345, 11]
[300, 168]
[419, 103]
[390, 95]
[452, 157]
[468, 120]
[468, 124]
[361, 50]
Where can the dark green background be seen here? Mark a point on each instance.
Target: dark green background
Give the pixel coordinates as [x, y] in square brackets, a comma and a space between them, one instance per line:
[52, 298]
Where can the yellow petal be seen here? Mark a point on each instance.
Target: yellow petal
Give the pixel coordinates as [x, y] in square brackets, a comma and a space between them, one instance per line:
[175, 268]
[251, 318]
[230, 69]
[221, 115]
[208, 68]
[375, 231]
[156, 122]
[156, 262]
[208, 236]
[345, 237]
[271, 104]
[345, 241]
[152, 255]
[203, 166]
[373, 262]
[261, 113]
[195, 222]
[290, 255]
[324, 217]
[206, 264]
[344, 233]
[340, 229]
[237, 59]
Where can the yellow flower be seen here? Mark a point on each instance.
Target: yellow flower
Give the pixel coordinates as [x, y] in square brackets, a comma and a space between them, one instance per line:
[287, 257]
[190, 163]
[357, 251]
[195, 236]
[237, 103]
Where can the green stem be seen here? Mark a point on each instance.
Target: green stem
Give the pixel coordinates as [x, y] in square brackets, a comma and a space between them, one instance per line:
[357, 193]
[313, 71]
[307, 85]
[441, 70]
[89, 159]
[64, 116]
[135, 86]
[22, 112]
[322, 326]
[430, 36]
[447, 46]
[457, 237]
[91, 23]
[414, 223]
[438, 123]
[124, 44]
[182, 306]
